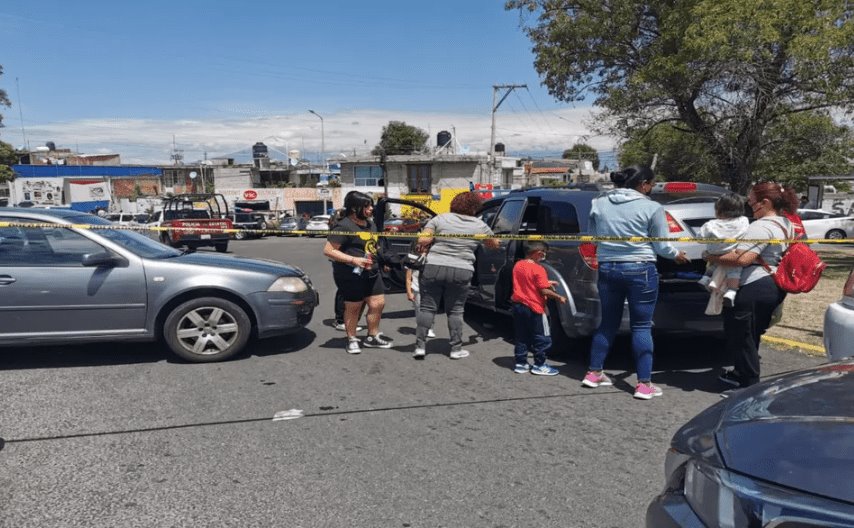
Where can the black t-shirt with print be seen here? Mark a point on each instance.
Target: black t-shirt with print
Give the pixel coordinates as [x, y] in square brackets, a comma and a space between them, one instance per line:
[353, 245]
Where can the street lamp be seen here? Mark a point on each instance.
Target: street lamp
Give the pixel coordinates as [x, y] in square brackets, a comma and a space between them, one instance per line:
[322, 137]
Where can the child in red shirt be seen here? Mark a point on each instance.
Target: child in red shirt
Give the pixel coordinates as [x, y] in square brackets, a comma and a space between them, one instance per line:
[531, 289]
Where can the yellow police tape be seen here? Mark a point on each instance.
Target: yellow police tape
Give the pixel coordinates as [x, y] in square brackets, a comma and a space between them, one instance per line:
[366, 235]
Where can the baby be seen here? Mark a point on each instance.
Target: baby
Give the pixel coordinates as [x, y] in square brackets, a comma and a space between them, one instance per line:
[729, 222]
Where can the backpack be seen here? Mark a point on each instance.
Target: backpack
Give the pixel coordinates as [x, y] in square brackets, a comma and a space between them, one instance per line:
[799, 269]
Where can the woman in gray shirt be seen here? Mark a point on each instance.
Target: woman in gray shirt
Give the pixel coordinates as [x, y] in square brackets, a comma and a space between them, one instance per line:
[758, 295]
[449, 269]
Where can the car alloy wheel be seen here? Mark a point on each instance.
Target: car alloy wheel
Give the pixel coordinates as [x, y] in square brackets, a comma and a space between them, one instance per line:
[240, 235]
[835, 234]
[207, 329]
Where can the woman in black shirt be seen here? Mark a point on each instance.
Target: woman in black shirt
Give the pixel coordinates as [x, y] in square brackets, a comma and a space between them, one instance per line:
[356, 271]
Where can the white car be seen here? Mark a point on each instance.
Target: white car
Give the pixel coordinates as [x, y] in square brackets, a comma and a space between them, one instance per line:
[825, 224]
[318, 225]
[839, 324]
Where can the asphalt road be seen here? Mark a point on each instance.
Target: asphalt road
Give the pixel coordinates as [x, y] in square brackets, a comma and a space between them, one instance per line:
[127, 435]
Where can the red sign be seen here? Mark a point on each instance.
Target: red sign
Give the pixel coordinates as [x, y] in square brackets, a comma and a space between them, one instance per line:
[484, 189]
[250, 195]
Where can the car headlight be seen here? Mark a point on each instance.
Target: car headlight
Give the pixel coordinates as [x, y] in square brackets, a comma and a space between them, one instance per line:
[723, 499]
[288, 284]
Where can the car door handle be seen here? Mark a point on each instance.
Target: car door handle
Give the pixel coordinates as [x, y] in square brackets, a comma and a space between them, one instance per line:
[6, 279]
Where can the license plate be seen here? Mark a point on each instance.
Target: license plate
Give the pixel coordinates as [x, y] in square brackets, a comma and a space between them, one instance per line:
[206, 237]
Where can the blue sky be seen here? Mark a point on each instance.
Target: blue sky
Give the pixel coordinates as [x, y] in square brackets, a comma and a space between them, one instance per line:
[220, 75]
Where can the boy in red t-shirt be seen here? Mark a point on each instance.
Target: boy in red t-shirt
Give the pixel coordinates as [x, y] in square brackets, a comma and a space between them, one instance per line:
[531, 289]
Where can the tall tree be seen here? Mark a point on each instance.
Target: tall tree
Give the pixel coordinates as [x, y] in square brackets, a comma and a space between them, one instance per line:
[4, 99]
[7, 159]
[724, 71]
[400, 138]
[580, 151]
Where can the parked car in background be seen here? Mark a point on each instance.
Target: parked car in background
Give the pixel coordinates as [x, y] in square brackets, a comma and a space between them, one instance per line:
[64, 285]
[196, 220]
[121, 218]
[825, 224]
[289, 224]
[774, 454]
[839, 324]
[572, 264]
[248, 224]
[318, 225]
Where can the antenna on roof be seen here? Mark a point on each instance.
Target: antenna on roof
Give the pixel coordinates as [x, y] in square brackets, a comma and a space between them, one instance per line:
[177, 154]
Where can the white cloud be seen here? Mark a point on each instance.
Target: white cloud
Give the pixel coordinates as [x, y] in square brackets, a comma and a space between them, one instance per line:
[146, 141]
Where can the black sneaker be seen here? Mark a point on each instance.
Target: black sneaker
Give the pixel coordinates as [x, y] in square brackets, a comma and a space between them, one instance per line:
[377, 341]
[732, 378]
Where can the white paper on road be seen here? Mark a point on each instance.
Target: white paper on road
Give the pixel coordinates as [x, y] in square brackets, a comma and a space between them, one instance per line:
[290, 414]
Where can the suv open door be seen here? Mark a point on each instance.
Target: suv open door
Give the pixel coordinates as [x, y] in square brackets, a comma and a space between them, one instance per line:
[410, 219]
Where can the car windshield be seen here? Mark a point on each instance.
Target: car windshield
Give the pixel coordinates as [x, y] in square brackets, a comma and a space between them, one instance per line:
[244, 218]
[134, 242]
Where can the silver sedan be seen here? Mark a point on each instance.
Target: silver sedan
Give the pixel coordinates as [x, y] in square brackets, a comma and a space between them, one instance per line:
[61, 284]
[839, 324]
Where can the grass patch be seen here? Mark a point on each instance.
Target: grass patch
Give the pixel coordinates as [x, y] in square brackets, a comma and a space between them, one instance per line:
[803, 314]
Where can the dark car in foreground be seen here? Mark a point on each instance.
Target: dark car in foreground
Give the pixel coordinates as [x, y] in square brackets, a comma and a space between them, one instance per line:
[63, 284]
[777, 454]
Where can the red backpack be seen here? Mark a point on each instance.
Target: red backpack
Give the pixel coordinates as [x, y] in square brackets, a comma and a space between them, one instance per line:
[799, 269]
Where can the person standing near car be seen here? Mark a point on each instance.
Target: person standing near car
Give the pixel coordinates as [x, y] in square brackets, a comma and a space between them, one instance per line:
[449, 269]
[356, 271]
[627, 272]
[758, 295]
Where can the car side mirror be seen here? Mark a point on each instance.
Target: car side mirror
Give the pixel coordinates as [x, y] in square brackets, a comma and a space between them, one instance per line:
[102, 258]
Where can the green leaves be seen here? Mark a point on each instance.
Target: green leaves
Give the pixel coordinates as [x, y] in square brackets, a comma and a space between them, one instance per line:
[400, 138]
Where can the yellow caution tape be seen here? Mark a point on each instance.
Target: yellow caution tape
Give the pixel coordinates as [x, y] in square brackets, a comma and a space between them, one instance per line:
[365, 235]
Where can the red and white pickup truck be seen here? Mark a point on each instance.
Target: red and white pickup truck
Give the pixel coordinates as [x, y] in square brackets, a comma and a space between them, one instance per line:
[196, 220]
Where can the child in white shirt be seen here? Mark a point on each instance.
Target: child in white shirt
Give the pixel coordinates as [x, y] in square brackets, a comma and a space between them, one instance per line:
[729, 222]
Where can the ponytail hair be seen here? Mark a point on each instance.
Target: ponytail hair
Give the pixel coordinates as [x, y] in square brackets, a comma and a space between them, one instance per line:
[783, 199]
[632, 177]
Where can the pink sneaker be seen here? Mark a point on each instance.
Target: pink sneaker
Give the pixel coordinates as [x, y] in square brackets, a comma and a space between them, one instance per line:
[593, 380]
[647, 392]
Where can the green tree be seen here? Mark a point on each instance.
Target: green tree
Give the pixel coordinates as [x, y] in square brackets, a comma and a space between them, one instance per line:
[725, 71]
[794, 147]
[7, 159]
[580, 151]
[4, 100]
[400, 138]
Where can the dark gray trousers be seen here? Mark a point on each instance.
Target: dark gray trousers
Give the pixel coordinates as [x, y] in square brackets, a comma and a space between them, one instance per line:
[437, 283]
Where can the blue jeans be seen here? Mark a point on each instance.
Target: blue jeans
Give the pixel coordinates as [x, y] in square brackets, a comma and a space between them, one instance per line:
[637, 282]
[530, 334]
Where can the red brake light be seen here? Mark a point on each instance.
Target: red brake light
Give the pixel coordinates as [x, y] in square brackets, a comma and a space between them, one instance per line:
[677, 187]
[588, 254]
[672, 225]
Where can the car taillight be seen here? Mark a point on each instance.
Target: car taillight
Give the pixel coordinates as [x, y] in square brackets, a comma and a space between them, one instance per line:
[677, 187]
[588, 254]
[672, 225]
[848, 290]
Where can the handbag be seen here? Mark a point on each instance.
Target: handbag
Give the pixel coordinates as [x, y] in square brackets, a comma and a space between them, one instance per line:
[799, 269]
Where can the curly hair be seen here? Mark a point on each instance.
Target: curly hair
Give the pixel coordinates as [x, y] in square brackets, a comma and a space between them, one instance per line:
[783, 199]
[467, 203]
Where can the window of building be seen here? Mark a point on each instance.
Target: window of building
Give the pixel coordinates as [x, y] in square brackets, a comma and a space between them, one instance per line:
[419, 178]
[367, 175]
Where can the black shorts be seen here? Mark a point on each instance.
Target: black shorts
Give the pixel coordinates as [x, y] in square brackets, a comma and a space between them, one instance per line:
[356, 288]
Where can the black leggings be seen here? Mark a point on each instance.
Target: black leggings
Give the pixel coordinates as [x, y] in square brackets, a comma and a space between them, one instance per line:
[745, 323]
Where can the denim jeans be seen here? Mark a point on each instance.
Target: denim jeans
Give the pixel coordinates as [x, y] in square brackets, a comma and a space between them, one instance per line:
[436, 283]
[530, 335]
[637, 282]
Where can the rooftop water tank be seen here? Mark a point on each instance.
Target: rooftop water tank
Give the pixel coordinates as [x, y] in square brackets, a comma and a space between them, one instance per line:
[259, 150]
[443, 138]
[499, 147]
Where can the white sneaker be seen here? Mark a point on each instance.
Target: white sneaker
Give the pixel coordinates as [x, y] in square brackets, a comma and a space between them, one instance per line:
[431, 333]
[353, 346]
[459, 354]
[729, 298]
[419, 353]
[341, 327]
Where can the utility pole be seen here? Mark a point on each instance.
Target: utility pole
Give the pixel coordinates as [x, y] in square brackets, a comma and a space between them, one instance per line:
[495, 89]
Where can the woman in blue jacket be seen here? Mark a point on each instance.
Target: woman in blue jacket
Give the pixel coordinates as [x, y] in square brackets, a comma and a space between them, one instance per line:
[627, 271]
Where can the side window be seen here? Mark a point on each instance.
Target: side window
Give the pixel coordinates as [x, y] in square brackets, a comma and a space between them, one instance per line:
[530, 221]
[43, 247]
[507, 217]
[488, 214]
[558, 218]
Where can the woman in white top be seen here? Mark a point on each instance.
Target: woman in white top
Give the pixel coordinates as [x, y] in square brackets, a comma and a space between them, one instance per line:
[758, 294]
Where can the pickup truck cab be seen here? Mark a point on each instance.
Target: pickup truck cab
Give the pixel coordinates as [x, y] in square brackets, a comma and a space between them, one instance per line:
[572, 264]
[196, 220]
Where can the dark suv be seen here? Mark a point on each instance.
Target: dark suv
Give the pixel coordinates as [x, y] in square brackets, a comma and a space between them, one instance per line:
[565, 211]
[248, 225]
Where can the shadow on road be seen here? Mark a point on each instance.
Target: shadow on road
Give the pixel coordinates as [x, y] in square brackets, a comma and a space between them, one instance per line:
[106, 354]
